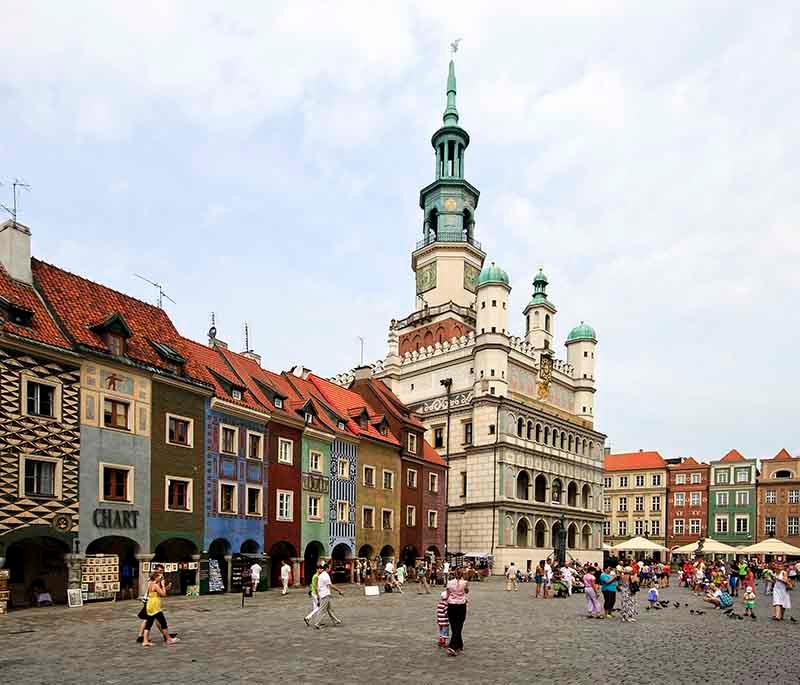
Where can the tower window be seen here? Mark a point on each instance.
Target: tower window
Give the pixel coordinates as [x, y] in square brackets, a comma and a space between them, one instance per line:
[585, 353]
[584, 375]
[483, 330]
[492, 372]
[547, 344]
[491, 390]
[494, 303]
[504, 305]
[494, 329]
[483, 304]
[547, 322]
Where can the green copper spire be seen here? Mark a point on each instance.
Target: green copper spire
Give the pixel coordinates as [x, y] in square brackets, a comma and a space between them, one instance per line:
[451, 113]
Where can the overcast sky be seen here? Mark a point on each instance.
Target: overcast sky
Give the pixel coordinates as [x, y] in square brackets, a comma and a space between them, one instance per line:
[265, 164]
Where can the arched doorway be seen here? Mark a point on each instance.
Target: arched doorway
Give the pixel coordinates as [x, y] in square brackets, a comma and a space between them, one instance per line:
[540, 534]
[556, 491]
[572, 534]
[523, 485]
[126, 550]
[366, 552]
[586, 537]
[387, 553]
[523, 533]
[342, 558]
[433, 550]
[278, 553]
[250, 547]
[311, 557]
[172, 551]
[586, 497]
[554, 531]
[572, 494]
[37, 566]
[217, 551]
[408, 557]
[540, 488]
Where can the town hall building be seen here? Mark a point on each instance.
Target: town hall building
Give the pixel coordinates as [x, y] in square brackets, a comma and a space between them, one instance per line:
[514, 422]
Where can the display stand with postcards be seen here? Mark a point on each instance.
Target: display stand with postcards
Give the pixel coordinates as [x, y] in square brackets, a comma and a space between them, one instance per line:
[4, 592]
[99, 577]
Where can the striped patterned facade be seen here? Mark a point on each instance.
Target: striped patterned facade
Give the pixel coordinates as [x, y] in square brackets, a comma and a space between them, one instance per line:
[341, 489]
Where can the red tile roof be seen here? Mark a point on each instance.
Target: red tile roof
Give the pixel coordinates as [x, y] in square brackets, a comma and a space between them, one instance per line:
[430, 454]
[80, 304]
[688, 463]
[393, 404]
[43, 328]
[344, 400]
[310, 392]
[733, 455]
[632, 461]
[783, 455]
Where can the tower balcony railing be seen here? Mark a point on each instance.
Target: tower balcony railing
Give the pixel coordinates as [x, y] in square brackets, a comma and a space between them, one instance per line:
[448, 237]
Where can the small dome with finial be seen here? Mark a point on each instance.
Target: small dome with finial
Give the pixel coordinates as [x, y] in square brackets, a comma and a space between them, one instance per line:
[493, 274]
[582, 332]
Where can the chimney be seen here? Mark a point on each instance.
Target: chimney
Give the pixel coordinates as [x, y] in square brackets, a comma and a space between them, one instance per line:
[253, 355]
[300, 371]
[361, 373]
[15, 250]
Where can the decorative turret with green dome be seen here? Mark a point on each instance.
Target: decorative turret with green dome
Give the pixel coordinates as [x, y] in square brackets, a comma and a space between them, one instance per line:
[493, 274]
[448, 259]
[540, 315]
[583, 331]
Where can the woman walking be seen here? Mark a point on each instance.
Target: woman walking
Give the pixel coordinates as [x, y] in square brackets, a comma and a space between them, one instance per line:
[780, 594]
[594, 608]
[457, 590]
[155, 591]
[627, 591]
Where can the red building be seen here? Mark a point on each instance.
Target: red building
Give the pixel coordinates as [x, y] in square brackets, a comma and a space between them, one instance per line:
[423, 483]
[687, 502]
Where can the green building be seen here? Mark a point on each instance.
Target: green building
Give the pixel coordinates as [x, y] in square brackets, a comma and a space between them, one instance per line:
[732, 499]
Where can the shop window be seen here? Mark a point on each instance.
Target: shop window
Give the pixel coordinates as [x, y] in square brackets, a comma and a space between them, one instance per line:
[179, 494]
[116, 414]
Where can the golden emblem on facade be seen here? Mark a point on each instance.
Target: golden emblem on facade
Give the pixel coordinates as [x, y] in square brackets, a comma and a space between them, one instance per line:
[450, 204]
[545, 375]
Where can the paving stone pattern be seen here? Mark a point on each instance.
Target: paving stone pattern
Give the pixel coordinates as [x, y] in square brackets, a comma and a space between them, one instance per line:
[509, 638]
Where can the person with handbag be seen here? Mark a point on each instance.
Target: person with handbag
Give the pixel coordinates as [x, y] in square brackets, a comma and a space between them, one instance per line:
[156, 589]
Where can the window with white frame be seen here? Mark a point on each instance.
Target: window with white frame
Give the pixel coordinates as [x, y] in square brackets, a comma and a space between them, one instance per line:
[655, 479]
[228, 494]
[387, 519]
[411, 516]
[254, 497]
[677, 527]
[343, 511]
[721, 523]
[285, 451]
[623, 504]
[228, 439]
[411, 478]
[41, 399]
[638, 527]
[722, 476]
[117, 414]
[640, 481]
[607, 529]
[343, 469]
[314, 508]
[367, 517]
[696, 499]
[638, 503]
[315, 461]
[655, 503]
[180, 430]
[40, 476]
[722, 499]
[607, 482]
[412, 443]
[388, 480]
[697, 478]
[433, 519]
[794, 496]
[116, 482]
[369, 476]
[742, 498]
[694, 526]
[680, 478]
[679, 499]
[769, 525]
[622, 528]
[606, 504]
[255, 445]
[433, 482]
[623, 481]
[793, 525]
[742, 524]
[770, 497]
[236, 394]
[655, 527]
[177, 494]
[285, 505]
[742, 475]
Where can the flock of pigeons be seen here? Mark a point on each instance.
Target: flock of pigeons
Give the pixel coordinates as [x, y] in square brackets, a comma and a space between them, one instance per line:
[729, 613]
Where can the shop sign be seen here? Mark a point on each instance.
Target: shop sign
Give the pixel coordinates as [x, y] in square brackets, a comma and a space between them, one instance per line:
[115, 518]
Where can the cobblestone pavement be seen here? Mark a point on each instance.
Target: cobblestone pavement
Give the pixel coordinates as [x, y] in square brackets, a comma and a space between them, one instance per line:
[509, 638]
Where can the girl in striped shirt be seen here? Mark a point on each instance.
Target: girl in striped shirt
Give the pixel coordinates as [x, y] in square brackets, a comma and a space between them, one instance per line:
[441, 620]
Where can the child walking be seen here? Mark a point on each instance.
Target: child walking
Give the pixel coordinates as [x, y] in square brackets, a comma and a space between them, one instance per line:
[652, 596]
[441, 620]
[749, 601]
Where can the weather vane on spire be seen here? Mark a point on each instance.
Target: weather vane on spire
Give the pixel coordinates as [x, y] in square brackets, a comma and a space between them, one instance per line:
[454, 45]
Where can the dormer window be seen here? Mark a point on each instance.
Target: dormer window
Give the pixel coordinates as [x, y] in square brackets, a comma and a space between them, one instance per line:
[278, 403]
[173, 361]
[309, 418]
[114, 331]
[115, 344]
[340, 425]
[236, 394]
[21, 316]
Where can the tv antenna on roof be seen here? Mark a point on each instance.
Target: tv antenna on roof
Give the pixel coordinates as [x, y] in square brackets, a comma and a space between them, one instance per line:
[161, 293]
[247, 338]
[16, 183]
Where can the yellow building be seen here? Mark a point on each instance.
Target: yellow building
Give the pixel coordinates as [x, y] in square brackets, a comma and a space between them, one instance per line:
[634, 497]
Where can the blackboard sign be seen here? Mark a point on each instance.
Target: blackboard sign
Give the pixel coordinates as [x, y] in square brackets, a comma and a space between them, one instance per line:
[240, 566]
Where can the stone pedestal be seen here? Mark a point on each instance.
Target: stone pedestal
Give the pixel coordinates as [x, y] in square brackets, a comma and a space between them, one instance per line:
[144, 576]
[74, 563]
[228, 558]
[296, 572]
